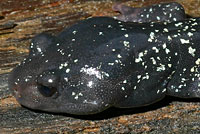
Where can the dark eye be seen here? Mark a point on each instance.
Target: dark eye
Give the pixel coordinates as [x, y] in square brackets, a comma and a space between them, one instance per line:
[47, 91]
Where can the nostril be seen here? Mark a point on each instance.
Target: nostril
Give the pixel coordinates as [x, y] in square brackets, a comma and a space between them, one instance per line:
[15, 89]
[16, 92]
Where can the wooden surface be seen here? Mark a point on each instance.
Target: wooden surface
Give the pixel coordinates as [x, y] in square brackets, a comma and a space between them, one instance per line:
[20, 20]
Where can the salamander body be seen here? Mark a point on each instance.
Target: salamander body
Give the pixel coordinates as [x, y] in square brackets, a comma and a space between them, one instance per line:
[169, 12]
[102, 62]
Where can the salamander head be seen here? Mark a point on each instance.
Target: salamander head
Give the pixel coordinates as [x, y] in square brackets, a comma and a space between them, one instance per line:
[44, 81]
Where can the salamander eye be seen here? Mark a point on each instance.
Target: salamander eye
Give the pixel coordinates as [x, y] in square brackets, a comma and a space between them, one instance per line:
[47, 91]
[48, 83]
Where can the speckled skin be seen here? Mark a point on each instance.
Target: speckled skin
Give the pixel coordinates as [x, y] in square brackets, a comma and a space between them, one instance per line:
[102, 62]
[160, 12]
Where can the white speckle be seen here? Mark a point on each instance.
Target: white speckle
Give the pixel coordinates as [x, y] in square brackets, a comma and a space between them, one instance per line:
[126, 43]
[50, 80]
[180, 86]
[119, 56]
[167, 51]
[73, 93]
[192, 69]
[63, 65]
[178, 24]
[76, 97]
[153, 60]
[117, 61]
[67, 70]
[158, 58]
[31, 45]
[150, 40]
[74, 32]
[126, 35]
[156, 50]
[111, 64]
[197, 61]
[76, 60]
[66, 79]
[39, 50]
[169, 65]
[93, 71]
[123, 29]
[165, 30]
[190, 34]
[152, 35]
[161, 68]
[193, 29]
[174, 19]
[139, 76]
[169, 38]
[193, 24]
[140, 55]
[80, 94]
[125, 81]
[106, 74]
[100, 33]
[146, 76]
[183, 41]
[61, 51]
[92, 102]
[164, 45]
[164, 90]
[90, 84]
[109, 26]
[191, 51]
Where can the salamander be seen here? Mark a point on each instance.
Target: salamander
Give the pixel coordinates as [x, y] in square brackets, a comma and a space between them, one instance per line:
[172, 11]
[103, 62]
